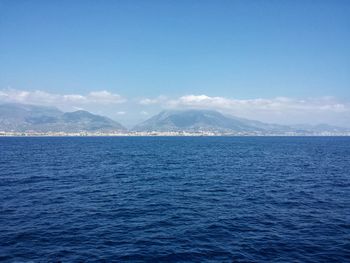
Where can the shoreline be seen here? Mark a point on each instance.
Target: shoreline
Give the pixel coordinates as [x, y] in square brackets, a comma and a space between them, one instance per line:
[4, 135]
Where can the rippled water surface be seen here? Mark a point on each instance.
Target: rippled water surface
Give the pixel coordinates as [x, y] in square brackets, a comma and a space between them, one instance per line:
[159, 199]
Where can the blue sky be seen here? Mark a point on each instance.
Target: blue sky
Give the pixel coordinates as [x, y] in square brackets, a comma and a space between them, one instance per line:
[234, 50]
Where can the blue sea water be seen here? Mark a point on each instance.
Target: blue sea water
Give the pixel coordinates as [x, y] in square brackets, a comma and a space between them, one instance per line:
[175, 199]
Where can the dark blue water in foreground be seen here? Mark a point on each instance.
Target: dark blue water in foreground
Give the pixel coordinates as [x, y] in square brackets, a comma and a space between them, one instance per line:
[186, 199]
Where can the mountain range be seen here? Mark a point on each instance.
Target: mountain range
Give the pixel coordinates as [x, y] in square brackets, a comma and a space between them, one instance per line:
[33, 118]
[27, 118]
[194, 120]
[203, 120]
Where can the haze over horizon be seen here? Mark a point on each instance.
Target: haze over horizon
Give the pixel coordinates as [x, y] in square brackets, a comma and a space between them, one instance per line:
[283, 62]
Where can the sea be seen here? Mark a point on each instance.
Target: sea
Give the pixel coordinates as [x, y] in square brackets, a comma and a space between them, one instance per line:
[175, 199]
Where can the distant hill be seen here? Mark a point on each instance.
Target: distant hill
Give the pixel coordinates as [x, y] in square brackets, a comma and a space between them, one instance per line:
[320, 128]
[204, 120]
[31, 118]
[26, 118]
[195, 120]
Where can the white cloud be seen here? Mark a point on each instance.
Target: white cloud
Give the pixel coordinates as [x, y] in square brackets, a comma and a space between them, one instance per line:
[157, 100]
[104, 97]
[275, 104]
[66, 101]
[75, 98]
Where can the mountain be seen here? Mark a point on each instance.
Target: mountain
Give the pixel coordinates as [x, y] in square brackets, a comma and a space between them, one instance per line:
[321, 128]
[31, 118]
[204, 120]
[26, 118]
[212, 121]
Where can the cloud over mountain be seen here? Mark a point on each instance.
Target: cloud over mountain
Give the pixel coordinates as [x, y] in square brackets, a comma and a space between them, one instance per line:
[65, 101]
[278, 103]
[279, 109]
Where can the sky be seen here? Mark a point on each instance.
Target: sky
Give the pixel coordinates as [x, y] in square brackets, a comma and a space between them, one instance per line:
[277, 61]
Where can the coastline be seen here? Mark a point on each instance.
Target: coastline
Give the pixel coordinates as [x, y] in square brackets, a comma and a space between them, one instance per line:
[172, 134]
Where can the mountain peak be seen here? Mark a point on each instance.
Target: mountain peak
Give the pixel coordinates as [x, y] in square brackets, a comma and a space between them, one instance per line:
[192, 120]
